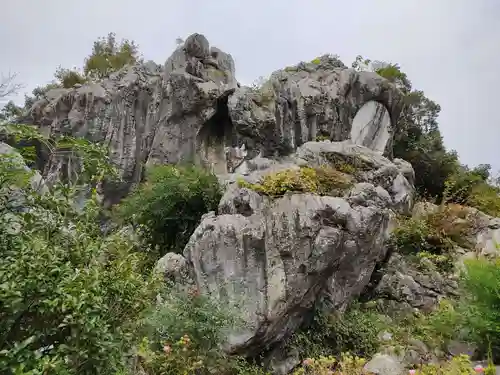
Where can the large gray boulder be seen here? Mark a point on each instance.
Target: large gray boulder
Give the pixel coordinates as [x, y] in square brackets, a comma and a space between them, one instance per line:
[275, 258]
[193, 109]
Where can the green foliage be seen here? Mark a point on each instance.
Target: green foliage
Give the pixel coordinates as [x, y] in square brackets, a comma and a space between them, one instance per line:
[438, 328]
[70, 296]
[92, 158]
[482, 303]
[67, 78]
[186, 332]
[169, 205]
[10, 111]
[459, 365]
[471, 187]
[434, 236]
[109, 56]
[329, 365]
[356, 331]
[321, 138]
[322, 181]
[316, 61]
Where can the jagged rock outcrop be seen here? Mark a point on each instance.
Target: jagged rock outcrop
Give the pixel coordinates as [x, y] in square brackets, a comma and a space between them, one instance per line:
[275, 258]
[316, 99]
[192, 109]
[403, 288]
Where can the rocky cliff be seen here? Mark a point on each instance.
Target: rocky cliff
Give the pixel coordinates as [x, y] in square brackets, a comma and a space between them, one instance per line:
[193, 109]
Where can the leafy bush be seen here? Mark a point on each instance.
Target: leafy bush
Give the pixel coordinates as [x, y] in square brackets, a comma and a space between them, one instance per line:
[186, 332]
[459, 365]
[438, 328]
[69, 296]
[348, 365]
[316, 61]
[434, 236]
[470, 187]
[322, 181]
[169, 205]
[322, 138]
[356, 331]
[481, 305]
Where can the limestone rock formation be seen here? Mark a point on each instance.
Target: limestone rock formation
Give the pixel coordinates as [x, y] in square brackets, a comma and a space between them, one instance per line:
[276, 257]
[193, 109]
[311, 100]
[404, 288]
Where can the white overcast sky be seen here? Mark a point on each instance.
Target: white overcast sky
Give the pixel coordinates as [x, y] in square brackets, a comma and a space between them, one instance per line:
[449, 48]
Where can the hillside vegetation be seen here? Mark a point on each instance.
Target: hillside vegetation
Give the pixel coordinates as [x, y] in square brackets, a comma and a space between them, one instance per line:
[79, 299]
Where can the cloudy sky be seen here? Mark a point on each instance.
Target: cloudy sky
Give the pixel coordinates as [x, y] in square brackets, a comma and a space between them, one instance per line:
[449, 48]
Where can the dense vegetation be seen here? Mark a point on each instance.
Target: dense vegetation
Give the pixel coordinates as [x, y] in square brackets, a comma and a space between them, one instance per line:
[168, 206]
[76, 300]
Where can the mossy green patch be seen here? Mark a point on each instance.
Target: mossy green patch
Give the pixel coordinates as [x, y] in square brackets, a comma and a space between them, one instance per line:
[322, 181]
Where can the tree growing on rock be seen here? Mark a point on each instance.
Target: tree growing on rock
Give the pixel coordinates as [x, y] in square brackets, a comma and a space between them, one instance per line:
[108, 56]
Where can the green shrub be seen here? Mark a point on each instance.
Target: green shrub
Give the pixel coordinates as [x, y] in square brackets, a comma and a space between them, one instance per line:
[356, 331]
[481, 305]
[70, 297]
[434, 236]
[185, 334]
[438, 328]
[485, 198]
[470, 187]
[322, 181]
[347, 365]
[316, 61]
[459, 365]
[321, 138]
[169, 205]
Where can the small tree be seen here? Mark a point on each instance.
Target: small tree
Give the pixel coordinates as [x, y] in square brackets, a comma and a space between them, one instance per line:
[109, 56]
[8, 86]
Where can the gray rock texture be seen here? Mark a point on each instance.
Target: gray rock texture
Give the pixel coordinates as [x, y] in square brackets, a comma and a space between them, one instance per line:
[193, 109]
[405, 288]
[383, 364]
[276, 257]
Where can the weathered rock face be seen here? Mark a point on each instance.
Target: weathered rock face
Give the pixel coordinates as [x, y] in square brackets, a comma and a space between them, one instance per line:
[192, 109]
[316, 99]
[276, 258]
[404, 288]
